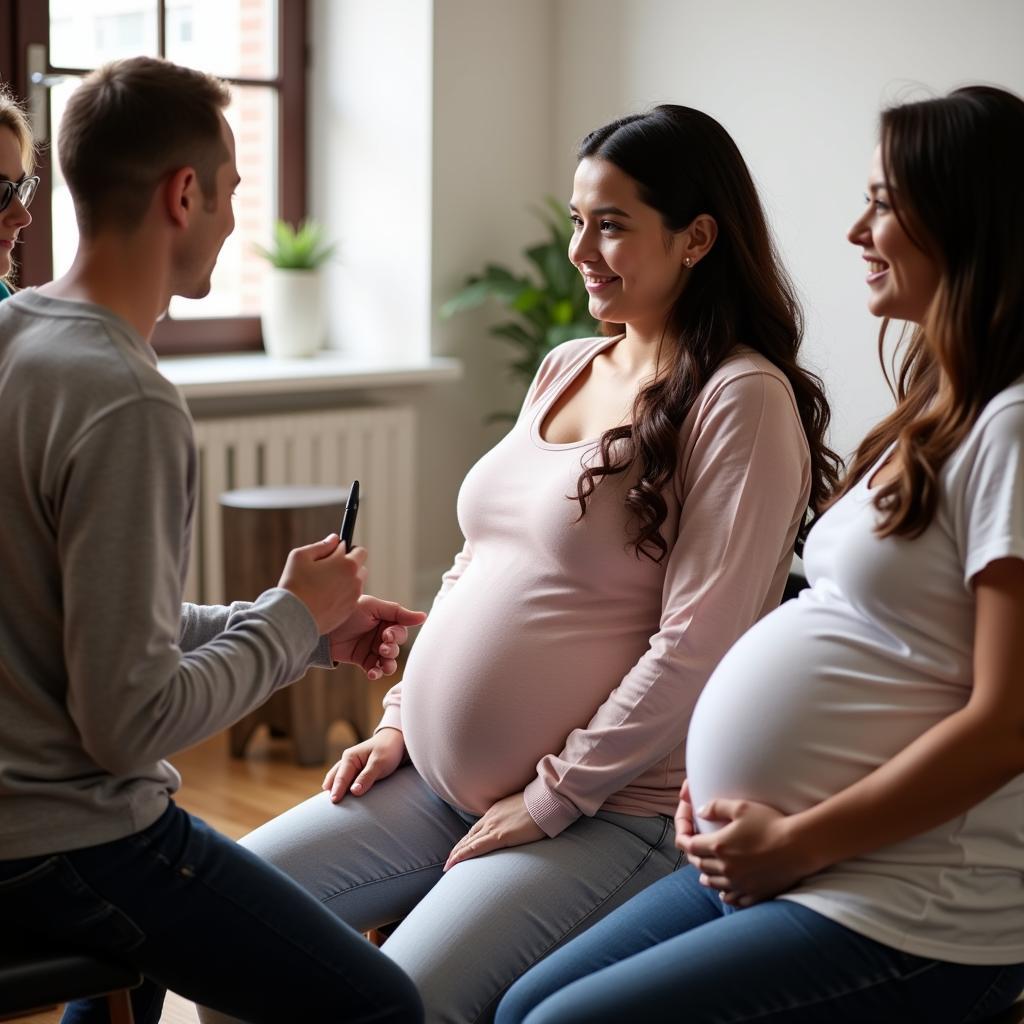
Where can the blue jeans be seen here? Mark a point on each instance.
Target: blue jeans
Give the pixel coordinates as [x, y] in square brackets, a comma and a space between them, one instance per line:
[676, 953]
[199, 915]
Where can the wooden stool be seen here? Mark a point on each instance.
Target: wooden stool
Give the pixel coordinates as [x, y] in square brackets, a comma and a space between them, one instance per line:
[261, 525]
[32, 981]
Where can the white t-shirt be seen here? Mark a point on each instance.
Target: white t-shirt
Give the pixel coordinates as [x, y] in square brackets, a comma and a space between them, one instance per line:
[832, 685]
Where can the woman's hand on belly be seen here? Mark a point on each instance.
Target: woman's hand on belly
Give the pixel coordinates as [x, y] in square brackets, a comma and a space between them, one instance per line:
[685, 825]
[505, 823]
[754, 856]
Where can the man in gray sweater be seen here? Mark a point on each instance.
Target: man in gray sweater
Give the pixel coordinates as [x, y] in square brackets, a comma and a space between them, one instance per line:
[103, 671]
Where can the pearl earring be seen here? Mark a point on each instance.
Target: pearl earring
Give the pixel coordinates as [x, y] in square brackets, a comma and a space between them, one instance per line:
[687, 262]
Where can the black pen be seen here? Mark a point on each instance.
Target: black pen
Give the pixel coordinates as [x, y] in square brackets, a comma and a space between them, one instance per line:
[348, 521]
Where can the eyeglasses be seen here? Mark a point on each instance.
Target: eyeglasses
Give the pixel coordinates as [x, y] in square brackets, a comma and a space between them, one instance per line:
[25, 190]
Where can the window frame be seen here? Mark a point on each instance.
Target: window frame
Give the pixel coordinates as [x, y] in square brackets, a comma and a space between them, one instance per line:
[29, 23]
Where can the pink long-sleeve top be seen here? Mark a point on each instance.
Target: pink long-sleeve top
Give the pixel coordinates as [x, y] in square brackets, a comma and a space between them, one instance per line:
[558, 663]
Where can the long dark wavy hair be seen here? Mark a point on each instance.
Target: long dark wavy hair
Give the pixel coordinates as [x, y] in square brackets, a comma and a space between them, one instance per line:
[953, 167]
[685, 163]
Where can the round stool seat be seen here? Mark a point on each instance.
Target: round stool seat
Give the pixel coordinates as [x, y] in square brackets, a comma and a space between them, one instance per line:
[31, 980]
[259, 526]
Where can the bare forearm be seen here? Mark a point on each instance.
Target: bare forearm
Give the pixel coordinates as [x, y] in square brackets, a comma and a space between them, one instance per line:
[950, 768]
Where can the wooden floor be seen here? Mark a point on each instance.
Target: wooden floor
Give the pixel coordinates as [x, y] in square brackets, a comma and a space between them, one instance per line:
[236, 796]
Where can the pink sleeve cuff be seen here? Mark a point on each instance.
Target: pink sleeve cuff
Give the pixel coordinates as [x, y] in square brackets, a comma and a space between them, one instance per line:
[391, 719]
[551, 812]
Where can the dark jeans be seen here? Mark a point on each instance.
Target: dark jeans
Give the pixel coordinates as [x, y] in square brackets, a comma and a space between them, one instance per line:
[676, 953]
[199, 915]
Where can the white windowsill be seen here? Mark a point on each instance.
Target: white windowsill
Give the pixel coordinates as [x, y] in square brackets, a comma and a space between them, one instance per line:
[253, 373]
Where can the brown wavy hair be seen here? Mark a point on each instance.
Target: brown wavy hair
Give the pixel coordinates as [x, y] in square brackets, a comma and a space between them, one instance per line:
[685, 163]
[953, 168]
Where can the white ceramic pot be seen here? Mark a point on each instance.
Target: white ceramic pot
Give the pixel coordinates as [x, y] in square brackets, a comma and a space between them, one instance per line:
[293, 313]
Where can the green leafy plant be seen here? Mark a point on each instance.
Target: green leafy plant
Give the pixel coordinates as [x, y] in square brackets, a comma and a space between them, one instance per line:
[549, 310]
[297, 248]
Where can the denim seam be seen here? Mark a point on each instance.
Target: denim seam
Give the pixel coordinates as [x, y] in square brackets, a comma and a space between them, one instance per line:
[651, 848]
[917, 971]
[897, 974]
[155, 849]
[105, 911]
[377, 881]
[851, 990]
[995, 985]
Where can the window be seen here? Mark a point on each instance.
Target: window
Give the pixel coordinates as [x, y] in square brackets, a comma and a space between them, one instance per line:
[258, 47]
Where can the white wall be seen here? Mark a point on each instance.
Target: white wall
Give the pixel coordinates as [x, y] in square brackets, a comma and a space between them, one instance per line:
[436, 124]
[370, 169]
[798, 83]
[430, 128]
[491, 163]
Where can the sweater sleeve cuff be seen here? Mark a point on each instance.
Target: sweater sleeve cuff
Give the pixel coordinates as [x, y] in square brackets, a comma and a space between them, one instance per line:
[551, 812]
[391, 719]
[321, 656]
[296, 618]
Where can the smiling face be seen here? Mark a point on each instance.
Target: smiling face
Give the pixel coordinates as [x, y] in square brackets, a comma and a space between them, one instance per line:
[902, 278]
[631, 263]
[15, 216]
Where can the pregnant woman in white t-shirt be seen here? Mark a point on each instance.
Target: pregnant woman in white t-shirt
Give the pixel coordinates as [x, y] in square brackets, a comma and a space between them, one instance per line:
[856, 758]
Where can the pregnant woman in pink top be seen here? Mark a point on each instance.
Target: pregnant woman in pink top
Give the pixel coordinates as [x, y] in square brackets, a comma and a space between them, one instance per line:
[638, 518]
[857, 759]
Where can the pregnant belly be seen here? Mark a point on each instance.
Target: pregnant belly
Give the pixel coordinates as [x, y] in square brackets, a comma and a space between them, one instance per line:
[492, 686]
[797, 711]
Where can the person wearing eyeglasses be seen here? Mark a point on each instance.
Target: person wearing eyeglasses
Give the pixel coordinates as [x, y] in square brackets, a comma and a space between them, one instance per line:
[17, 183]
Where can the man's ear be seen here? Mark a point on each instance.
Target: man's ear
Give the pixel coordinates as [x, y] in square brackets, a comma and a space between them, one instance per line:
[698, 238]
[180, 195]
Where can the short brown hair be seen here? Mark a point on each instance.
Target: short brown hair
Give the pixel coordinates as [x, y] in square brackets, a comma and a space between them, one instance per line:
[12, 116]
[130, 123]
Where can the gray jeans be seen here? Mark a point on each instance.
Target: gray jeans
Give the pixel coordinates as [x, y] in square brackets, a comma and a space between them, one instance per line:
[468, 934]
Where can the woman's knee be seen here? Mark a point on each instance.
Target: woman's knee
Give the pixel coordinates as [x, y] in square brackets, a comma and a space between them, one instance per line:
[293, 841]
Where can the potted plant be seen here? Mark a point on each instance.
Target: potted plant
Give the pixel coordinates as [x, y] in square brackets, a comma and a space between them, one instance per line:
[548, 310]
[293, 317]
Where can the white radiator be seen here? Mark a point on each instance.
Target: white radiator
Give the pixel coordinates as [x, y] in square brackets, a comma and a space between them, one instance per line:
[372, 445]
